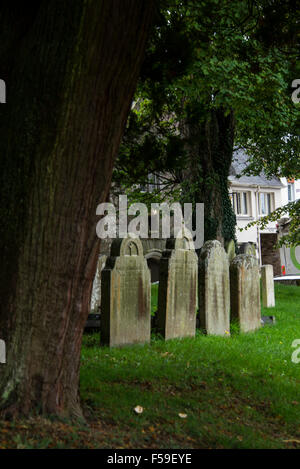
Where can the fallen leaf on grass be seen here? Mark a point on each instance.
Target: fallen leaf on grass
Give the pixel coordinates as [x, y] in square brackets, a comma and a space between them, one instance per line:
[138, 409]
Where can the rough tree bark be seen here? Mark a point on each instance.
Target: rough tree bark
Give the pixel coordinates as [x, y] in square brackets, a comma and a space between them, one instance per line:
[70, 70]
[209, 137]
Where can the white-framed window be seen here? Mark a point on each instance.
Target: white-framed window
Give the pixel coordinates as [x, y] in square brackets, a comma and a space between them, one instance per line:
[291, 191]
[241, 203]
[265, 203]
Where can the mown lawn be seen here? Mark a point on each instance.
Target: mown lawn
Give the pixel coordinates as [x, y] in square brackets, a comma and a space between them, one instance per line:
[241, 391]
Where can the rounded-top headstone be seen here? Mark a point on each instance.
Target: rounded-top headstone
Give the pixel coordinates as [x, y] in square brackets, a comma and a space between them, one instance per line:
[177, 296]
[245, 292]
[214, 298]
[126, 292]
[212, 247]
[183, 240]
[130, 246]
[248, 261]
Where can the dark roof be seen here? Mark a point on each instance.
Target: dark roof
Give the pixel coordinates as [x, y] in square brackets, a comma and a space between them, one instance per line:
[239, 163]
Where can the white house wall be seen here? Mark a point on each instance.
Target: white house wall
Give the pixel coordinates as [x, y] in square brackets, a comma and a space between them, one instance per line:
[284, 191]
[250, 235]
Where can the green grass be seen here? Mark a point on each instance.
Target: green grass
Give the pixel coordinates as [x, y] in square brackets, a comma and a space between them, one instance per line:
[240, 391]
[154, 298]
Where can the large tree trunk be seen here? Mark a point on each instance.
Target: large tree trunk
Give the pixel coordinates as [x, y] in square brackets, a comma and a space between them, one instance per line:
[70, 68]
[209, 136]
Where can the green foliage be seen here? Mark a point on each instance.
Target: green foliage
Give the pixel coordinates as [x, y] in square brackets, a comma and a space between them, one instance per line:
[154, 298]
[206, 57]
[293, 211]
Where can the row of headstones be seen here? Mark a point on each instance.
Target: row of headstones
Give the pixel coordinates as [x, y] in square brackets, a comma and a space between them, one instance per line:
[223, 291]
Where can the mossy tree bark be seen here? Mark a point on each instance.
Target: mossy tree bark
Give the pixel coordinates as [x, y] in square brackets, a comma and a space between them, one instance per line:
[209, 139]
[70, 70]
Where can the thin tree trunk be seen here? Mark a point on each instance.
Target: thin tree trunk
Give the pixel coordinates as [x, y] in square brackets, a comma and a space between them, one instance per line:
[70, 69]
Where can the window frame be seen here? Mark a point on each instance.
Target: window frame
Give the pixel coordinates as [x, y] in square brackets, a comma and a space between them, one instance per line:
[241, 203]
[268, 198]
[291, 191]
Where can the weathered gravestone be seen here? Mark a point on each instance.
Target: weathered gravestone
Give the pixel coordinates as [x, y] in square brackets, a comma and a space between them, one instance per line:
[248, 248]
[126, 295]
[230, 250]
[267, 280]
[245, 292]
[177, 294]
[96, 290]
[214, 290]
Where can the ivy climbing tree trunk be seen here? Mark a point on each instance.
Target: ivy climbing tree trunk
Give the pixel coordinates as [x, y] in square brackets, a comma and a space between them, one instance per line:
[70, 70]
[209, 137]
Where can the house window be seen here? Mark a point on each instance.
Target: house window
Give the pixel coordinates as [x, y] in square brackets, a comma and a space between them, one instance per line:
[265, 203]
[240, 203]
[152, 184]
[291, 192]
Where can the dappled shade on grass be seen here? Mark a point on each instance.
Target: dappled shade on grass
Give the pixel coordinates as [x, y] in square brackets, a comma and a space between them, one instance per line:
[235, 392]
